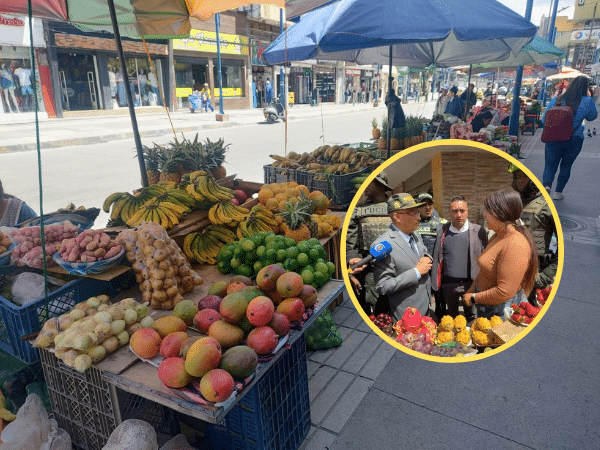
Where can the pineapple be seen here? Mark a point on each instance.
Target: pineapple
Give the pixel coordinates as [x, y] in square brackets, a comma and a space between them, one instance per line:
[382, 142]
[395, 142]
[153, 158]
[215, 157]
[170, 166]
[294, 215]
[376, 131]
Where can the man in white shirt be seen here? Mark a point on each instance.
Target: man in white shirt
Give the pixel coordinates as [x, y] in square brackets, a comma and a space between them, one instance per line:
[404, 275]
[459, 243]
[442, 101]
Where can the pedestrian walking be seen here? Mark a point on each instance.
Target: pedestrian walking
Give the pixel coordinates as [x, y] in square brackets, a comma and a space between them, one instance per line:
[509, 263]
[564, 154]
[268, 91]
[205, 96]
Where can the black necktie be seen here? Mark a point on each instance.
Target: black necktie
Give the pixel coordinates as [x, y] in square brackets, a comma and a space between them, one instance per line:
[413, 244]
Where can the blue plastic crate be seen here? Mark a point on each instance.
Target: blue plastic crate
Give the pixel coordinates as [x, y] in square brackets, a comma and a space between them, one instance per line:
[274, 414]
[17, 321]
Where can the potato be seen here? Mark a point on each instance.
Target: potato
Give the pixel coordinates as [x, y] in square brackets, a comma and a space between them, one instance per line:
[159, 244]
[167, 305]
[151, 263]
[160, 296]
[164, 265]
[157, 274]
[157, 284]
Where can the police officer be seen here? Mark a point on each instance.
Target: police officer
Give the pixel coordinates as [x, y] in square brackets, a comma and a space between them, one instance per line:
[537, 217]
[430, 220]
[369, 221]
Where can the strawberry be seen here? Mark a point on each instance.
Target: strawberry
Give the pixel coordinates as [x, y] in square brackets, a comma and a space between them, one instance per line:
[516, 309]
[528, 320]
[523, 305]
[516, 317]
[524, 319]
[534, 311]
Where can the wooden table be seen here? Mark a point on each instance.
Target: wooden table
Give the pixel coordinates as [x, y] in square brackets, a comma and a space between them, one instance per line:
[141, 378]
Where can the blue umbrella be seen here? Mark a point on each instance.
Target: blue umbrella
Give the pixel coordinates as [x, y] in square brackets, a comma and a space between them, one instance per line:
[405, 33]
[420, 33]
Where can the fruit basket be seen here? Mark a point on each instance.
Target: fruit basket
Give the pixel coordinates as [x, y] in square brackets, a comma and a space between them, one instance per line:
[5, 257]
[90, 268]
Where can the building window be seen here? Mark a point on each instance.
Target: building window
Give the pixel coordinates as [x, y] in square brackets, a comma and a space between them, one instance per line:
[232, 73]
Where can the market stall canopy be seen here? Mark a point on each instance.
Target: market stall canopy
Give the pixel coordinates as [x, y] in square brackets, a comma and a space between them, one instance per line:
[136, 18]
[537, 52]
[566, 72]
[420, 33]
[295, 8]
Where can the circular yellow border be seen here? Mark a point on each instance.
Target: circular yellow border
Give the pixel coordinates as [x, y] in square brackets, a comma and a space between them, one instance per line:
[447, 143]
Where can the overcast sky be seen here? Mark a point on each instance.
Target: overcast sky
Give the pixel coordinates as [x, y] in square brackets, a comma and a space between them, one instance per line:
[540, 8]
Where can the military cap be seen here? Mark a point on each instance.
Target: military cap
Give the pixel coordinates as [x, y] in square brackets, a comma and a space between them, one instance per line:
[401, 201]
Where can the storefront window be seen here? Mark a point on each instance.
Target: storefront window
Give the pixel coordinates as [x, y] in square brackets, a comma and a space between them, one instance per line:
[187, 75]
[142, 82]
[232, 74]
[15, 80]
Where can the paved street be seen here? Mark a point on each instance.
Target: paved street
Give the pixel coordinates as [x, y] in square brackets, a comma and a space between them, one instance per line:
[86, 174]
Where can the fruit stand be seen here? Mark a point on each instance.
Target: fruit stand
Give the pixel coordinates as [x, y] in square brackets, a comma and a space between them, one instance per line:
[282, 377]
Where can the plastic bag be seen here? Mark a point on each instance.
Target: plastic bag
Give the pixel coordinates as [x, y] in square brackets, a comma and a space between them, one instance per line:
[323, 333]
[161, 270]
[28, 251]
[32, 430]
[27, 287]
[179, 442]
[132, 434]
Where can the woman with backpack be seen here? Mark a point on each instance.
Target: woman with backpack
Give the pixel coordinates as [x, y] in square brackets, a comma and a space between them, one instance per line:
[558, 150]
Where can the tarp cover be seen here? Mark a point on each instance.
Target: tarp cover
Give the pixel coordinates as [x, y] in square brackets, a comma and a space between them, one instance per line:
[136, 18]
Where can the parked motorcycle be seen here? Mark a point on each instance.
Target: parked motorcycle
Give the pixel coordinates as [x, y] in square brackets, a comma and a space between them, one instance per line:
[275, 110]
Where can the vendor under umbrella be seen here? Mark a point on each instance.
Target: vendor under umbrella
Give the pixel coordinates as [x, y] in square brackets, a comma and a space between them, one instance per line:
[13, 210]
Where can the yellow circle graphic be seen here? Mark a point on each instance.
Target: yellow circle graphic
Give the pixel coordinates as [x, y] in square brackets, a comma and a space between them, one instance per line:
[452, 143]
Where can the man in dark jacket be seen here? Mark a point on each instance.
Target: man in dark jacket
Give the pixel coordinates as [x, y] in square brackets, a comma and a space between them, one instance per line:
[430, 221]
[469, 98]
[459, 244]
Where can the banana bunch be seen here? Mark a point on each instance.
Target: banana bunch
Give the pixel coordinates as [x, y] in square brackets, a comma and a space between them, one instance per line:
[165, 213]
[327, 159]
[203, 188]
[358, 181]
[126, 205]
[260, 219]
[203, 246]
[226, 213]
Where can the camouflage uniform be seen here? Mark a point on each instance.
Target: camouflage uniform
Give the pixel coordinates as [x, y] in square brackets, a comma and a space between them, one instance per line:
[428, 230]
[368, 222]
[538, 219]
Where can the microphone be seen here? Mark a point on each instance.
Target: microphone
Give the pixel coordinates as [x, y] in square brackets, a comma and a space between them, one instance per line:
[378, 252]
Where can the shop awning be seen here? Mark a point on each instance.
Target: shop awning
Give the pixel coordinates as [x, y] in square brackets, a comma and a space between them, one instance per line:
[136, 18]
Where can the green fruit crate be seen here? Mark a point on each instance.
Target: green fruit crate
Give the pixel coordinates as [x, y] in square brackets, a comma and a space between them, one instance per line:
[84, 406]
[274, 414]
[278, 174]
[17, 321]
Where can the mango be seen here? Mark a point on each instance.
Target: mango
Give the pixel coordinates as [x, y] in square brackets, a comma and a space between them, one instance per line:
[240, 361]
[205, 318]
[169, 324]
[210, 302]
[308, 295]
[280, 324]
[262, 340]
[202, 356]
[173, 374]
[260, 311]
[267, 277]
[217, 385]
[186, 345]
[171, 344]
[145, 342]
[186, 310]
[233, 307]
[289, 284]
[219, 289]
[227, 334]
[293, 308]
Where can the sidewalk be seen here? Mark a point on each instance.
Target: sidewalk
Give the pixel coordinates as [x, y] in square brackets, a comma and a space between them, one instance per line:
[541, 393]
[89, 128]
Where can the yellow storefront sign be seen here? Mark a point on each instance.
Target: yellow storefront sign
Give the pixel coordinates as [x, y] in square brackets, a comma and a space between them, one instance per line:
[183, 92]
[229, 92]
[206, 41]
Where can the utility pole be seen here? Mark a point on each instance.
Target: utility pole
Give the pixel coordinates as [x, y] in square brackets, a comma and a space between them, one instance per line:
[515, 111]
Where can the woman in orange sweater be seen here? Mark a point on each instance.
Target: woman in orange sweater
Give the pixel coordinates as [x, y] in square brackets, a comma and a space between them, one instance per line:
[508, 265]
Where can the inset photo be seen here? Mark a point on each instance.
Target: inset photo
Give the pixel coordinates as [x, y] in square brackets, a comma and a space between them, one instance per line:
[452, 250]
